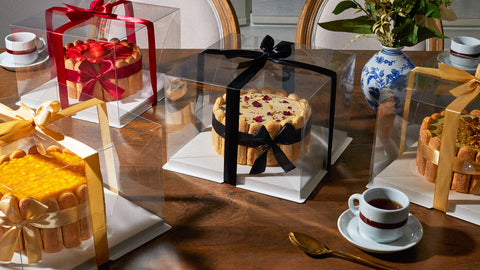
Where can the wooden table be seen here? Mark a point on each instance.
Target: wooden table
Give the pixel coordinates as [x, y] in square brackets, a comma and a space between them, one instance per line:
[218, 226]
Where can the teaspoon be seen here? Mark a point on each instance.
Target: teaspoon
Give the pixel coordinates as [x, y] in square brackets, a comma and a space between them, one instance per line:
[312, 247]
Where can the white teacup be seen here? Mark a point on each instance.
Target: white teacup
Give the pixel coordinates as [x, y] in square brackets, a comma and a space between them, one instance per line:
[387, 220]
[465, 51]
[24, 47]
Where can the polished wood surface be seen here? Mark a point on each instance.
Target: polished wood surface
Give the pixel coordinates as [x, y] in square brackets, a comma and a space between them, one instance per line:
[218, 226]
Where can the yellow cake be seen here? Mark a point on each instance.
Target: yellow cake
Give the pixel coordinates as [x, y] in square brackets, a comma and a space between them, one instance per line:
[272, 109]
[467, 145]
[56, 179]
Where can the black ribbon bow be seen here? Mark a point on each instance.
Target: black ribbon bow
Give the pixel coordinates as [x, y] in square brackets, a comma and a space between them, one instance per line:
[286, 136]
[269, 53]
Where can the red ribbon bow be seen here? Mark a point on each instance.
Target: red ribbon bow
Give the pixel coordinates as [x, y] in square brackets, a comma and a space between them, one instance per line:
[90, 77]
[97, 8]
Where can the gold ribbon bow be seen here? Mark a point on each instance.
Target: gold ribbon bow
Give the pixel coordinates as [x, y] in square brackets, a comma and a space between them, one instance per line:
[465, 94]
[25, 120]
[35, 216]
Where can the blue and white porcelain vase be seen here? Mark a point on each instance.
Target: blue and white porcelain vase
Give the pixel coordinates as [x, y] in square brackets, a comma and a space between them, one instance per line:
[382, 77]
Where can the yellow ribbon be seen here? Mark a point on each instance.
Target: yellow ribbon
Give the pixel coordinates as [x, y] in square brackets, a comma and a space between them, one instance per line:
[25, 120]
[465, 94]
[36, 216]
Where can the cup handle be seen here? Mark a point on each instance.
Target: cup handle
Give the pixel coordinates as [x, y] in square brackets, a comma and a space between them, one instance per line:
[351, 205]
[43, 45]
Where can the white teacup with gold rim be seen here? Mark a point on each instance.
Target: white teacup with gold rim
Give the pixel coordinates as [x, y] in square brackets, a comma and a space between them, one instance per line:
[382, 212]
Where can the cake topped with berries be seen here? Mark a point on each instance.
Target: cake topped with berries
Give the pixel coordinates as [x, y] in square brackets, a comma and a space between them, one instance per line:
[107, 70]
[268, 108]
[262, 108]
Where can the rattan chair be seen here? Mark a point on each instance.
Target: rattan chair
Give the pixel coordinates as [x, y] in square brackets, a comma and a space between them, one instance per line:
[309, 33]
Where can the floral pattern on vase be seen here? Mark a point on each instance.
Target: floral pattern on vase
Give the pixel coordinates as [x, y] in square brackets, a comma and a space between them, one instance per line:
[382, 77]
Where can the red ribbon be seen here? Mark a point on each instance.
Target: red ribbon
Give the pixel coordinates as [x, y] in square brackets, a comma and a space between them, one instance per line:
[97, 8]
[78, 17]
[88, 75]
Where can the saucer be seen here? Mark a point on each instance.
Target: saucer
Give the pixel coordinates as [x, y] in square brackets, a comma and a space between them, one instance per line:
[7, 64]
[445, 59]
[348, 226]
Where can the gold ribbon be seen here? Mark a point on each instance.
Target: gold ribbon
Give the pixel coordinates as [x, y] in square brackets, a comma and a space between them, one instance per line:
[21, 123]
[36, 216]
[25, 120]
[465, 94]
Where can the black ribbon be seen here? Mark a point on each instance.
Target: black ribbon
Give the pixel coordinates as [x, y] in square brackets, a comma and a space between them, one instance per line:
[286, 136]
[269, 53]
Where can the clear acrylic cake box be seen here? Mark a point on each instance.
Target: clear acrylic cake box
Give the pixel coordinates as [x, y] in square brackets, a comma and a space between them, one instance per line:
[132, 85]
[193, 87]
[125, 159]
[396, 146]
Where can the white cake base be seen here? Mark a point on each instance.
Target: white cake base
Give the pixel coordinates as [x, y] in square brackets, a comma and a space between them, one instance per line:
[119, 112]
[198, 158]
[124, 235]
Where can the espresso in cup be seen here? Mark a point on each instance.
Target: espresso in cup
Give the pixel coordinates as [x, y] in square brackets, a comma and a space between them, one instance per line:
[383, 213]
[23, 47]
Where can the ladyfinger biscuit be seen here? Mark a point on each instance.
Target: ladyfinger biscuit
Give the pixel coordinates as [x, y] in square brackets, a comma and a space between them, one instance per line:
[475, 181]
[52, 238]
[426, 123]
[273, 128]
[77, 42]
[423, 139]
[281, 93]
[216, 138]
[4, 158]
[2, 230]
[17, 154]
[24, 206]
[136, 80]
[16, 212]
[268, 91]
[475, 112]
[70, 232]
[287, 149]
[297, 150]
[253, 153]
[78, 86]
[461, 182]
[242, 150]
[121, 82]
[85, 223]
[71, 86]
[430, 168]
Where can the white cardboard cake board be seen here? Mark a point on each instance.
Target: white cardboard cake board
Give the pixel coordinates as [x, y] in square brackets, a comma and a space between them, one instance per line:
[402, 174]
[124, 235]
[118, 111]
[198, 158]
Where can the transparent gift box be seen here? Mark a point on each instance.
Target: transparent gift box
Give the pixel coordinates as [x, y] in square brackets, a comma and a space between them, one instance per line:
[109, 51]
[83, 219]
[284, 151]
[425, 142]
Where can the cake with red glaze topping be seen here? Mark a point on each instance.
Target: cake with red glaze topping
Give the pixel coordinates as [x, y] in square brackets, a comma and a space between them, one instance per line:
[105, 70]
[272, 109]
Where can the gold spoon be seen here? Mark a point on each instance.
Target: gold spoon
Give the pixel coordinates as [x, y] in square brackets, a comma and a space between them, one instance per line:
[312, 247]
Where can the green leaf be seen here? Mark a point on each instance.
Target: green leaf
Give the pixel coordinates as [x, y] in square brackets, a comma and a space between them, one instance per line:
[359, 25]
[344, 5]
